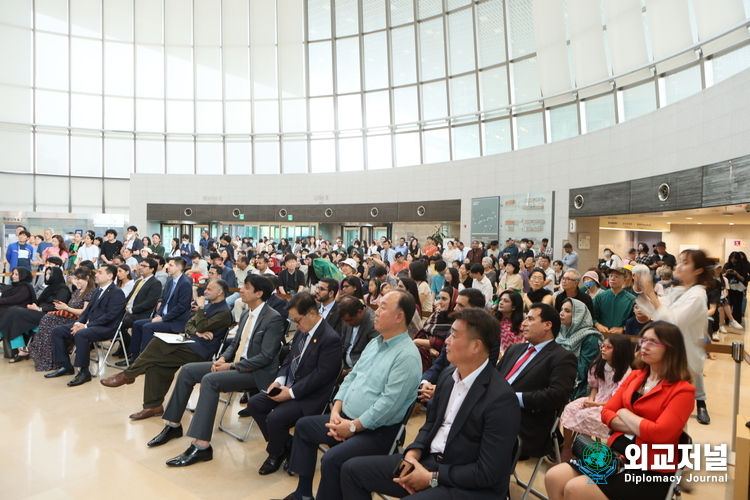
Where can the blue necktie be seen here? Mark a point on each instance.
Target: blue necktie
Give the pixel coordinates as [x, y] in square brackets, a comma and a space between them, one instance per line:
[296, 360]
[171, 292]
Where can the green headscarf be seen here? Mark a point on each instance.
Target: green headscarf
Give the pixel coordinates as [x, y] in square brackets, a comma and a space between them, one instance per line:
[581, 327]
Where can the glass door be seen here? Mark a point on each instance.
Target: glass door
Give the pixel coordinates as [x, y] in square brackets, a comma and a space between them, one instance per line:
[350, 234]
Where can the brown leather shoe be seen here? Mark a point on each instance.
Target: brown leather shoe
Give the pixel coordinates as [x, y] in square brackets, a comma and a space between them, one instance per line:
[147, 412]
[117, 380]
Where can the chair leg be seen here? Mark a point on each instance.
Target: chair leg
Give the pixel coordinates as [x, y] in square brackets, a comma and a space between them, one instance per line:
[529, 486]
[227, 404]
[118, 337]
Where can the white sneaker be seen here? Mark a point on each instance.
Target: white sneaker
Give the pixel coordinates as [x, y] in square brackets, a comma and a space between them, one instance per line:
[715, 337]
[722, 329]
[735, 325]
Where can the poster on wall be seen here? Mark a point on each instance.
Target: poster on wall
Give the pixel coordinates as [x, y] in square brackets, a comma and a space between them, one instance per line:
[731, 245]
[484, 219]
[527, 215]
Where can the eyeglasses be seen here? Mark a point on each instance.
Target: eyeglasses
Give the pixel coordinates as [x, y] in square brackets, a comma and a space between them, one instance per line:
[568, 279]
[648, 343]
[606, 347]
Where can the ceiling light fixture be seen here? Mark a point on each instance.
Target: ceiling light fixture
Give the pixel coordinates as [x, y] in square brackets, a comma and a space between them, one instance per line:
[689, 218]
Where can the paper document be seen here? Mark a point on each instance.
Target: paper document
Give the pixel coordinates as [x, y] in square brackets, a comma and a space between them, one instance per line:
[172, 338]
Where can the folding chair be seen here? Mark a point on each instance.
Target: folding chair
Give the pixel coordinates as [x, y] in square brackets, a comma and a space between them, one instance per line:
[554, 436]
[674, 488]
[100, 358]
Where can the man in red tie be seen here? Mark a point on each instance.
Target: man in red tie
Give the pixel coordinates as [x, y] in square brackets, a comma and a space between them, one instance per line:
[542, 373]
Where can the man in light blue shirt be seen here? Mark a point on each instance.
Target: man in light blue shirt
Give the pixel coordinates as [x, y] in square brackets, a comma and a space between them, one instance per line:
[570, 259]
[369, 406]
[401, 247]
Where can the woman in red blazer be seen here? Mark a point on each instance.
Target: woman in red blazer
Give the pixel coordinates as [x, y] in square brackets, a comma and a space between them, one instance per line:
[651, 407]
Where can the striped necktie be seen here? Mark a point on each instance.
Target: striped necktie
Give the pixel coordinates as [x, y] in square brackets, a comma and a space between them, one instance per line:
[296, 360]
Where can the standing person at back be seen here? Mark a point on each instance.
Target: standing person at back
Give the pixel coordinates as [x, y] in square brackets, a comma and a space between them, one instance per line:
[111, 246]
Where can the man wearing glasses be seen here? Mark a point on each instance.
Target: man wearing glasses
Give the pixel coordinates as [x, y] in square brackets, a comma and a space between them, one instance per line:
[325, 296]
[613, 307]
[141, 301]
[569, 283]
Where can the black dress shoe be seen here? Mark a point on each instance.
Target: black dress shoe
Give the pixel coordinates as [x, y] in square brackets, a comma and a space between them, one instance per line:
[130, 361]
[287, 456]
[192, 456]
[245, 412]
[271, 465]
[703, 417]
[80, 379]
[59, 372]
[166, 434]
[244, 398]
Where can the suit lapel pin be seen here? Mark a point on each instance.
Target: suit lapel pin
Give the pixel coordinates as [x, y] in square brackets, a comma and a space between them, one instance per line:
[315, 340]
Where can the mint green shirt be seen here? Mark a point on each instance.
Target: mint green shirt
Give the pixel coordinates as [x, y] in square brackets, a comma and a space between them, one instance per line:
[613, 310]
[383, 383]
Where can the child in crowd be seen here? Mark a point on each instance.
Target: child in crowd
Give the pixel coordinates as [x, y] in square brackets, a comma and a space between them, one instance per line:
[634, 325]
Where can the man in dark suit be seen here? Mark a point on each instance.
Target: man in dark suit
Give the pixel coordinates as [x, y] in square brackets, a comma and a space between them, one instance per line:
[464, 449]
[305, 381]
[358, 331]
[142, 299]
[325, 295]
[98, 322]
[542, 373]
[259, 336]
[160, 360]
[173, 312]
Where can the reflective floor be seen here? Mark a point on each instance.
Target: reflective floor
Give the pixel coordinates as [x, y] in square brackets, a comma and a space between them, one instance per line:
[77, 443]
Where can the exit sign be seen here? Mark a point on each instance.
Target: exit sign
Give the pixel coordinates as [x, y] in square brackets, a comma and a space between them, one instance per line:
[289, 217]
[242, 216]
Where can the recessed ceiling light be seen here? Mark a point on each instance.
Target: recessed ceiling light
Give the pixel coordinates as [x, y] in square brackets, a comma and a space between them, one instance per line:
[689, 218]
[731, 223]
[699, 223]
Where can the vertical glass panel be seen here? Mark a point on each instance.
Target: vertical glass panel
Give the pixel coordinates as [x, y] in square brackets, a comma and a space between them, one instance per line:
[295, 157]
[85, 18]
[234, 21]
[526, 81]
[402, 12]
[17, 13]
[639, 100]
[266, 115]
[22, 196]
[406, 105]
[494, 88]
[209, 118]
[148, 21]
[208, 73]
[294, 115]
[379, 152]
[149, 115]
[491, 43]
[118, 155]
[178, 30]
[237, 116]
[530, 130]
[209, 157]
[429, 8]
[179, 72]
[351, 155]
[16, 63]
[149, 71]
[51, 15]
[455, 4]
[463, 95]
[321, 69]
[15, 104]
[347, 18]
[149, 155]
[497, 137]
[466, 142]
[52, 108]
[350, 112]
[238, 156]
[15, 143]
[403, 56]
[522, 40]
[180, 152]
[86, 195]
[51, 194]
[118, 69]
[323, 155]
[347, 65]
[376, 61]
[180, 117]
[434, 100]
[86, 155]
[407, 149]
[373, 15]
[318, 19]
[600, 113]
[321, 114]
[292, 69]
[732, 63]
[432, 49]
[51, 61]
[263, 60]
[683, 84]
[207, 22]
[236, 73]
[437, 147]
[86, 65]
[51, 153]
[118, 20]
[563, 122]
[461, 30]
[378, 109]
[86, 111]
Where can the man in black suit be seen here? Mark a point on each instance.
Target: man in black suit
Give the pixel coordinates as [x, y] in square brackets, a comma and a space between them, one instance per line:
[173, 312]
[142, 299]
[305, 381]
[358, 331]
[464, 449]
[98, 322]
[542, 373]
[325, 295]
[259, 336]
[160, 360]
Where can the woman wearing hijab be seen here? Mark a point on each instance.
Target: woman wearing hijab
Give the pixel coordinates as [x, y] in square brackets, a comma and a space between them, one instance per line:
[578, 335]
[18, 320]
[431, 337]
[18, 293]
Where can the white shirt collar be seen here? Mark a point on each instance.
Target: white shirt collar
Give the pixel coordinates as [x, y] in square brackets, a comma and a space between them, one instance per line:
[469, 380]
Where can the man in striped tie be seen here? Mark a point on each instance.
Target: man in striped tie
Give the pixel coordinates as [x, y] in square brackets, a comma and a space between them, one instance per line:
[543, 374]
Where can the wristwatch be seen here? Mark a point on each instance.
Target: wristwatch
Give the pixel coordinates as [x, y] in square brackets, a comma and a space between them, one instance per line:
[352, 427]
[434, 480]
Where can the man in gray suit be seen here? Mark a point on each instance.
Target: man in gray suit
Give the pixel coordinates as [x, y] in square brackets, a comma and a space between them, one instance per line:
[358, 330]
[256, 347]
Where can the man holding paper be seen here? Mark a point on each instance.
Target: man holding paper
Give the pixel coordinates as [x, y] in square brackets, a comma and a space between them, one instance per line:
[165, 355]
